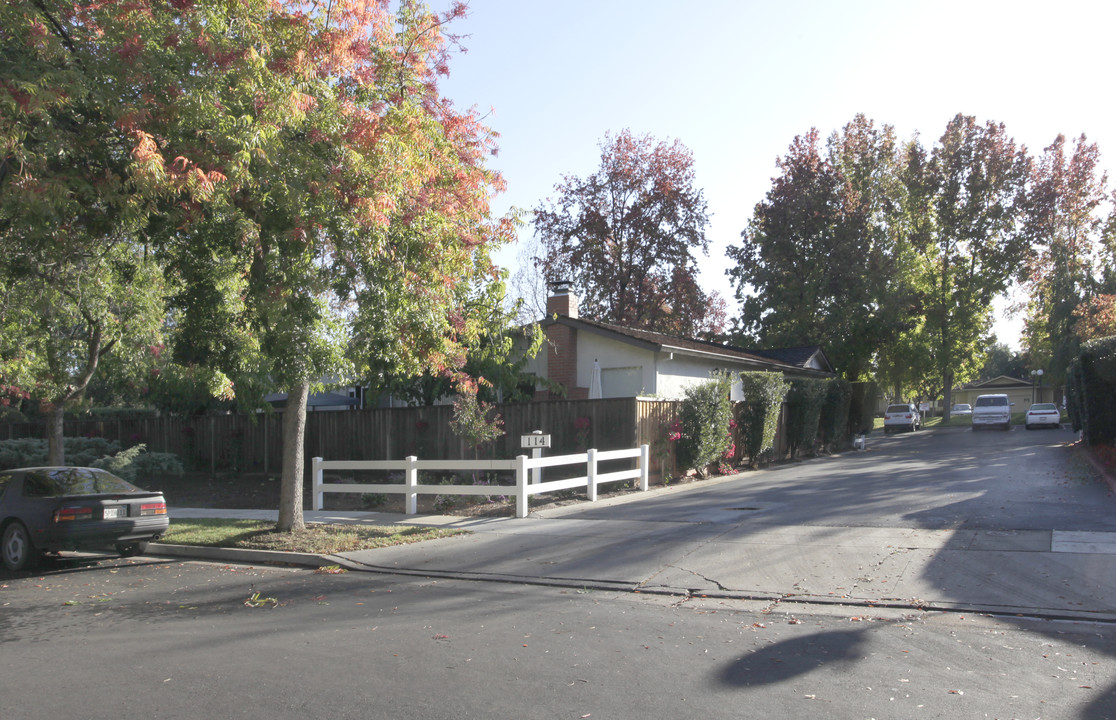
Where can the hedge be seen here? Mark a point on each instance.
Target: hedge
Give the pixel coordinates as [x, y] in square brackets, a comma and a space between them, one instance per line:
[834, 423]
[1094, 386]
[705, 414]
[759, 412]
[805, 398]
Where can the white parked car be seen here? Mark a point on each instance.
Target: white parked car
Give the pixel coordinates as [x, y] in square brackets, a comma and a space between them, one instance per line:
[1043, 415]
[961, 409]
[992, 411]
[902, 417]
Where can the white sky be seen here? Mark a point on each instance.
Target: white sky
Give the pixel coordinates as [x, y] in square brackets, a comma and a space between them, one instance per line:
[736, 80]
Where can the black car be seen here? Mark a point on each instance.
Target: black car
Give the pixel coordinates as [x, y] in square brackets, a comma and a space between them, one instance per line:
[51, 509]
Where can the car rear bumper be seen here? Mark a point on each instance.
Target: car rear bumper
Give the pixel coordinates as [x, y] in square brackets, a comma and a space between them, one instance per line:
[100, 534]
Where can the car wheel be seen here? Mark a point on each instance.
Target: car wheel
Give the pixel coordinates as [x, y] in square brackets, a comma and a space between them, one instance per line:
[16, 548]
[131, 549]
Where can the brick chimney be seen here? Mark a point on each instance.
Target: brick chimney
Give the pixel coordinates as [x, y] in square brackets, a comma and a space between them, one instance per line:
[561, 345]
[561, 301]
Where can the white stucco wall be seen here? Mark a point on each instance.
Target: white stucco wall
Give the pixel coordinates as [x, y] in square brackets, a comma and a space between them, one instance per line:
[637, 371]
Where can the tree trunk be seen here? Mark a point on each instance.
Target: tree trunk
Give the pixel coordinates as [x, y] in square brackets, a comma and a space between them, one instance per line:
[56, 449]
[947, 396]
[294, 437]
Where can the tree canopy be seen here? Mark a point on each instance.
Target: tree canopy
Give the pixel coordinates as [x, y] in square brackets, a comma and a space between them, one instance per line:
[314, 204]
[626, 235]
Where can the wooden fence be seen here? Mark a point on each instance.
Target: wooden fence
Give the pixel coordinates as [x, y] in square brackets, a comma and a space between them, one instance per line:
[253, 443]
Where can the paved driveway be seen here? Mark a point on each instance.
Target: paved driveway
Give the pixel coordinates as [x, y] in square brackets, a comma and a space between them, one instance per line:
[998, 522]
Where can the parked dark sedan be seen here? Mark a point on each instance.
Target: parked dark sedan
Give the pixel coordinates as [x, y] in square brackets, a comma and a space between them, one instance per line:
[73, 508]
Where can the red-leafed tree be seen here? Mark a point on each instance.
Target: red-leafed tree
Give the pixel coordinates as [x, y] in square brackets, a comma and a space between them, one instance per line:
[626, 235]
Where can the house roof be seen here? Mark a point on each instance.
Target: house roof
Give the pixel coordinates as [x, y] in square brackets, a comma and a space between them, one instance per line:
[795, 360]
[803, 357]
[1002, 381]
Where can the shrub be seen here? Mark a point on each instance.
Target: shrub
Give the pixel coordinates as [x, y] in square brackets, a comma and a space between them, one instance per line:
[759, 413]
[32, 452]
[705, 414]
[834, 422]
[862, 409]
[1096, 390]
[805, 398]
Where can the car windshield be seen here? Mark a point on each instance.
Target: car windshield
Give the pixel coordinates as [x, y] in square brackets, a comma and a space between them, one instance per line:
[1043, 407]
[56, 482]
[961, 407]
[992, 400]
[898, 408]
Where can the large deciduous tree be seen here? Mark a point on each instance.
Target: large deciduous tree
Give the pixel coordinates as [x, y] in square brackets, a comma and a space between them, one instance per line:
[77, 274]
[320, 205]
[821, 260]
[626, 235]
[976, 241]
[1064, 226]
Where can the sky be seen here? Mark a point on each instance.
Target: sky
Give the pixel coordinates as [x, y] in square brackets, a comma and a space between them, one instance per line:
[736, 80]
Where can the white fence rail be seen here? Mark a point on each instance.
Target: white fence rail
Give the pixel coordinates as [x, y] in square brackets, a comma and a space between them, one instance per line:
[411, 488]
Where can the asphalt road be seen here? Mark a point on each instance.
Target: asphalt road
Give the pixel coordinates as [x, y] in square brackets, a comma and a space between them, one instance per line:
[95, 638]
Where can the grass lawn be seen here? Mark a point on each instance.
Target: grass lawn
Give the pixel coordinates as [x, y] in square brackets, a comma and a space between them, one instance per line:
[317, 538]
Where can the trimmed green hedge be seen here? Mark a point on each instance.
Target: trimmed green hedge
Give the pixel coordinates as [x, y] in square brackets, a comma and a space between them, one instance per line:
[759, 412]
[805, 398]
[705, 414]
[1093, 405]
[862, 409]
[834, 423]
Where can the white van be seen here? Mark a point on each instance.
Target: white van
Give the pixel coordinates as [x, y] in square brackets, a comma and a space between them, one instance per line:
[992, 411]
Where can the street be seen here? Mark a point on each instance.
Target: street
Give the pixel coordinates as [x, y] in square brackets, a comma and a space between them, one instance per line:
[712, 625]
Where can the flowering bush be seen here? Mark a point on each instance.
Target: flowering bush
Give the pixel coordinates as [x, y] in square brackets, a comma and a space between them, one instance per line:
[705, 416]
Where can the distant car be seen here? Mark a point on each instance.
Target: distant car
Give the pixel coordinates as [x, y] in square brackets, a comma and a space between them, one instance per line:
[961, 409]
[902, 417]
[51, 509]
[992, 411]
[1043, 415]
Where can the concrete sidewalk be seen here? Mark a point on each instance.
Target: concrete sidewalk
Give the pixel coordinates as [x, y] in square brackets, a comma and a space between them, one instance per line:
[1049, 574]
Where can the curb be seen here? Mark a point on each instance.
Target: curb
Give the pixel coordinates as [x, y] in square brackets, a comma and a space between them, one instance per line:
[257, 557]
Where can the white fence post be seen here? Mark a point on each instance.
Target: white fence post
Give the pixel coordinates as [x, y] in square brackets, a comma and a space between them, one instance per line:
[316, 464]
[644, 466]
[521, 486]
[411, 480]
[591, 475]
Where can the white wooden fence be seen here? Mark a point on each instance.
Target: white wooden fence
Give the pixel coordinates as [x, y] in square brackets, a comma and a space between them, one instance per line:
[521, 466]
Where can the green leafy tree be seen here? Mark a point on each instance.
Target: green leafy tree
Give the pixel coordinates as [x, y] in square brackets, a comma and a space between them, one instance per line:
[318, 202]
[78, 277]
[626, 237]
[980, 181]
[822, 258]
[1064, 227]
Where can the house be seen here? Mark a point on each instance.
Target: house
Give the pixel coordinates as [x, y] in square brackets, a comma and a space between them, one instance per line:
[1021, 393]
[594, 359]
